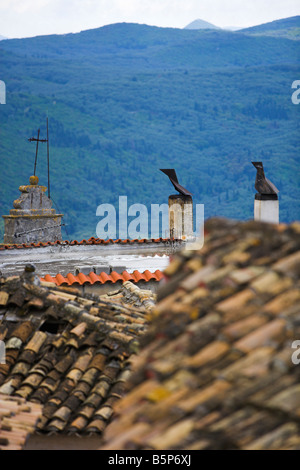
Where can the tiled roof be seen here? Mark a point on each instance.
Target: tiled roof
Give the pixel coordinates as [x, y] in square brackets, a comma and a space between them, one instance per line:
[131, 294]
[215, 368]
[18, 419]
[90, 241]
[102, 278]
[66, 352]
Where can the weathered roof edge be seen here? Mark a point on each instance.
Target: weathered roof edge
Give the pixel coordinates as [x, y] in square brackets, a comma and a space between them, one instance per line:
[90, 241]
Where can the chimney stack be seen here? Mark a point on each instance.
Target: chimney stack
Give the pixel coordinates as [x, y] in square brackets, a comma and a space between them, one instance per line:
[181, 216]
[266, 203]
[32, 220]
[180, 209]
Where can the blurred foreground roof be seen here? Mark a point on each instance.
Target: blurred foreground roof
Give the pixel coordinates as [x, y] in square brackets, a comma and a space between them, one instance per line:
[216, 369]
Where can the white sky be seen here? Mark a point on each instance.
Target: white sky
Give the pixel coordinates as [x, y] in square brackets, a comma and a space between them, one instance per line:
[25, 18]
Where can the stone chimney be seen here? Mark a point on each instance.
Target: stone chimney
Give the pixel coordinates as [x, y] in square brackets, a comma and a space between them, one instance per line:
[181, 216]
[32, 220]
[266, 203]
[180, 209]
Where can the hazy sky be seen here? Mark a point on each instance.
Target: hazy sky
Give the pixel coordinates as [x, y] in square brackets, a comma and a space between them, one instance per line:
[23, 18]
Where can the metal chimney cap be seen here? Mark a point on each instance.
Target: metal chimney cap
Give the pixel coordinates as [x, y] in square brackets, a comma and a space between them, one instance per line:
[171, 173]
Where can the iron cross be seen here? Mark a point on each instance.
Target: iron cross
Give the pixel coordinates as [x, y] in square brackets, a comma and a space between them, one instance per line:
[37, 140]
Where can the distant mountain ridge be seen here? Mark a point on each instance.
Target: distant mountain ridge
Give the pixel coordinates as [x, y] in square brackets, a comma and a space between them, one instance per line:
[125, 100]
[286, 27]
[150, 47]
[201, 24]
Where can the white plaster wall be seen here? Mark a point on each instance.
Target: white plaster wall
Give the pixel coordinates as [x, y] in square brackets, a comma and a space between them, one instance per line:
[266, 211]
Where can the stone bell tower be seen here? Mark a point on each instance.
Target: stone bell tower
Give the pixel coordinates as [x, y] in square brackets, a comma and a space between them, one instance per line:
[32, 219]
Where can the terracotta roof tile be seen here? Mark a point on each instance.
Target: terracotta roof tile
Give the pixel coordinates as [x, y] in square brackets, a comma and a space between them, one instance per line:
[82, 278]
[148, 275]
[128, 277]
[18, 419]
[60, 279]
[71, 279]
[215, 368]
[68, 354]
[115, 276]
[102, 278]
[49, 278]
[138, 276]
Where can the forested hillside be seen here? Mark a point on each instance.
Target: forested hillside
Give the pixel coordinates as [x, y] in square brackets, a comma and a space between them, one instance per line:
[125, 100]
[287, 27]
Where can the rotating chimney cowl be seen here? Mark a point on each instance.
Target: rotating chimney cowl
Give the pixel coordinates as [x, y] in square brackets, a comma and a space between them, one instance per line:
[266, 203]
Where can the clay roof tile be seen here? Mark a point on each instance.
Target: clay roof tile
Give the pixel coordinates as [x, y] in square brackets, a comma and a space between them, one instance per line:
[72, 279]
[103, 277]
[61, 279]
[219, 353]
[115, 276]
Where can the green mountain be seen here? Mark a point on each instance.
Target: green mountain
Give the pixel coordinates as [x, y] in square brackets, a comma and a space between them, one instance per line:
[201, 24]
[125, 100]
[286, 28]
